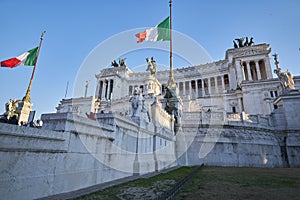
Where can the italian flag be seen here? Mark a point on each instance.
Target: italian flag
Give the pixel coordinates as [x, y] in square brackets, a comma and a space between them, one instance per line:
[28, 58]
[160, 32]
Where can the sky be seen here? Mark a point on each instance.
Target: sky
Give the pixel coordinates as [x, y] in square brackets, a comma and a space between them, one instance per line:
[77, 30]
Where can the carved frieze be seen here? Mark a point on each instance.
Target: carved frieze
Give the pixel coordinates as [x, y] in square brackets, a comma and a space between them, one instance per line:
[252, 52]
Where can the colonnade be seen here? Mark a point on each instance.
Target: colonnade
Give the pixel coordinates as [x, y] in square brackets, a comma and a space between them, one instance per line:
[105, 89]
[254, 70]
[196, 88]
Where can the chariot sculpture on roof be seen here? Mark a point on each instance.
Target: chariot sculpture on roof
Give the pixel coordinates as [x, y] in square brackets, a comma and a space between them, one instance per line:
[241, 42]
[122, 63]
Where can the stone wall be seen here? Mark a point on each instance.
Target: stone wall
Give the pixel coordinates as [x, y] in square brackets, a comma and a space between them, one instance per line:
[242, 146]
[76, 152]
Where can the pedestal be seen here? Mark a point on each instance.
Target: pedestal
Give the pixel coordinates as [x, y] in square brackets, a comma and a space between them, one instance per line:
[287, 114]
[103, 105]
[23, 111]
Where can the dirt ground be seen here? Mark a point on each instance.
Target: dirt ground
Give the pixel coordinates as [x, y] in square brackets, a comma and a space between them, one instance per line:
[243, 183]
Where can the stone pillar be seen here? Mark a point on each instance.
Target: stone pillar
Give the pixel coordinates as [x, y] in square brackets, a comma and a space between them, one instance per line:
[248, 71]
[184, 92]
[23, 111]
[216, 85]
[257, 70]
[97, 90]
[196, 84]
[108, 90]
[202, 83]
[112, 89]
[209, 86]
[239, 105]
[243, 72]
[223, 83]
[190, 88]
[103, 90]
[238, 72]
[268, 68]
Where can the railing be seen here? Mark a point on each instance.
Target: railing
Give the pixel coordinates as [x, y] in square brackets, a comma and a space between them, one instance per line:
[175, 189]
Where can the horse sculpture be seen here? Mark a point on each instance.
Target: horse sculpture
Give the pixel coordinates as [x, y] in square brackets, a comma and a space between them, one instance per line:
[241, 42]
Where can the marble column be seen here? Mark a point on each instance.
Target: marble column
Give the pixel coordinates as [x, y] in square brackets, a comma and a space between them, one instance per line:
[202, 89]
[183, 85]
[97, 90]
[223, 83]
[209, 86]
[257, 70]
[196, 84]
[248, 71]
[216, 85]
[108, 90]
[243, 72]
[268, 68]
[103, 89]
[239, 105]
[190, 88]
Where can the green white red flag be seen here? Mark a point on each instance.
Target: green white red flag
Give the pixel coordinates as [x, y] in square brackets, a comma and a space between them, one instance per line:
[28, 58]
[160, 32]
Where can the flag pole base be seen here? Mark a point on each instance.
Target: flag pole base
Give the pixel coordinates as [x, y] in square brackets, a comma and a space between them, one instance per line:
[24, 108]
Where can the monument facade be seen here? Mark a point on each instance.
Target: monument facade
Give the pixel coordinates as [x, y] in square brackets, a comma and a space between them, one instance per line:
[231, 112]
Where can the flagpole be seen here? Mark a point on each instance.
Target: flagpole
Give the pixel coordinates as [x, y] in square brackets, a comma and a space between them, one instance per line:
[171, 56]
[171, 81]
[27, 95]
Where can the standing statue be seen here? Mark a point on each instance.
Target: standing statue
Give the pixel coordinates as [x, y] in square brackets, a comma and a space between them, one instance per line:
[136, 102]
[151, 66]
[286, 78]
[11, 108]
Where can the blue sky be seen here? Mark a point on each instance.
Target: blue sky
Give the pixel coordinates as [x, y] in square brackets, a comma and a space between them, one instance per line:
[74, 28]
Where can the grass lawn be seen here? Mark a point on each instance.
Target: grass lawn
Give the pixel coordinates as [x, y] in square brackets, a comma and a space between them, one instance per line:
[243, 183]
[142, 188]
[212, 183]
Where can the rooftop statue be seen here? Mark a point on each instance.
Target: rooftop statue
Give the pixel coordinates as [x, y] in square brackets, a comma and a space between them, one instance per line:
[251, 42]
[122, 62]
[114, 63]
[241, 42]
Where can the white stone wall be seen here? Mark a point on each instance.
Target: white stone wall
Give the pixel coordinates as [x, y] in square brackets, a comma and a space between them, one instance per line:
[73, 152]
[79, 106]
[237, 146]
[37, 163]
